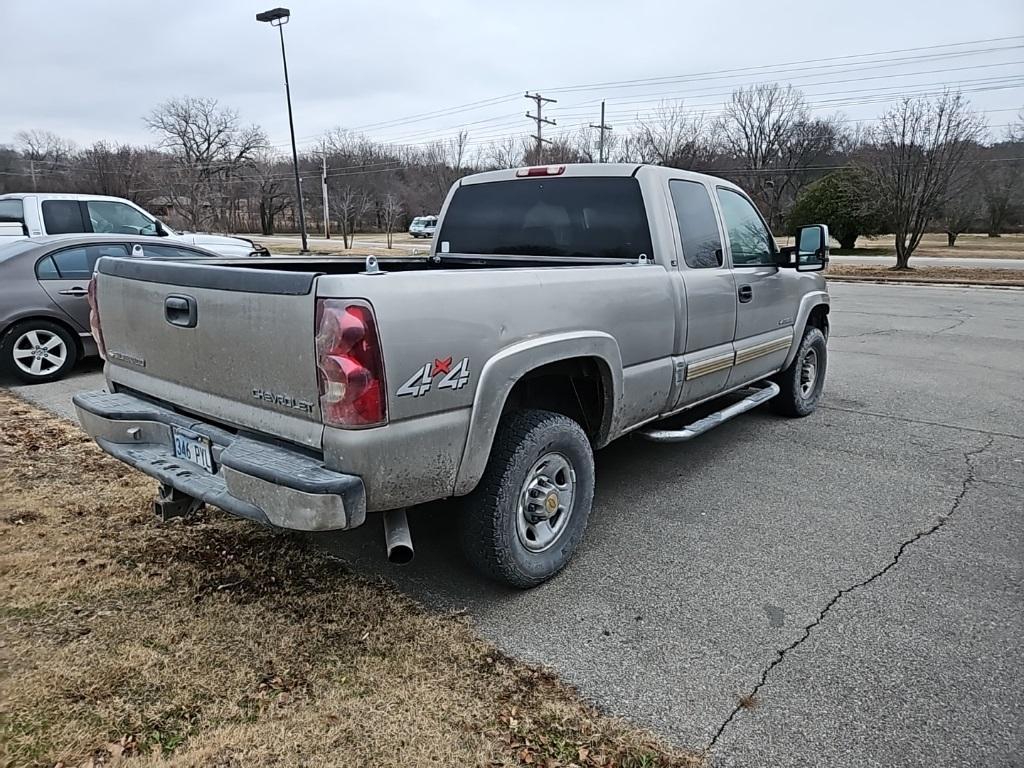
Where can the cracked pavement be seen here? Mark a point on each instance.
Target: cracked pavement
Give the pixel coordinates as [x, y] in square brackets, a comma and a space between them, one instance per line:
[857, 575]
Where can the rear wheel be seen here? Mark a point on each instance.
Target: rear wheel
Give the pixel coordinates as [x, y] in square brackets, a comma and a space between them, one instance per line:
[37, 351]
[525, 519]
[801, 383]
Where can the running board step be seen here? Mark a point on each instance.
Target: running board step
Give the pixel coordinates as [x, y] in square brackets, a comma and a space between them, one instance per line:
[754, 399]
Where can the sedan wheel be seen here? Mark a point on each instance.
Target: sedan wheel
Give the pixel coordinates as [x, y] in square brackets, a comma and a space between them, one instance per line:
[38, 351]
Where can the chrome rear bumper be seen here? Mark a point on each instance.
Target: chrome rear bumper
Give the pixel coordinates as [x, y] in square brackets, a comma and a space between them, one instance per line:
[254, 479]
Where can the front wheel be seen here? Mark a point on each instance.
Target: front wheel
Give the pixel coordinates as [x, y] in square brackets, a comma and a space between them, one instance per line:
[801, 383]
[525, 519]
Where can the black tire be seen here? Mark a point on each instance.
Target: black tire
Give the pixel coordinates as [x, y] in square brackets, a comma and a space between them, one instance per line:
[797, 400]
[489, 528]
[18, 340]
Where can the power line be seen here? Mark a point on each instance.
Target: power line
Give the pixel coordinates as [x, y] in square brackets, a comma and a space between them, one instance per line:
[626, 83]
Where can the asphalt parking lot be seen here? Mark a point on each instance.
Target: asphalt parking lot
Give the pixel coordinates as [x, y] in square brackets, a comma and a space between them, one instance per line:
[858, 574]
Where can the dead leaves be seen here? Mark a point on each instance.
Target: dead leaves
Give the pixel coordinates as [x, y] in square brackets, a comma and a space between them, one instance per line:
[110, 755]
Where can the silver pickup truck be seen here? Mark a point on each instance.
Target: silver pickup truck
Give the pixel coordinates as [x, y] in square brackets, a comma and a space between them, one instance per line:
[560, 308]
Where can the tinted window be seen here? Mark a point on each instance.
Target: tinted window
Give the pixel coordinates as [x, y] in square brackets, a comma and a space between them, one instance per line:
[62, 216]
[567, 217]
[749, 240]
[47, 270]
[698, 227]
[118, 218]
[171, 252]
[11, 210]
[78, 263]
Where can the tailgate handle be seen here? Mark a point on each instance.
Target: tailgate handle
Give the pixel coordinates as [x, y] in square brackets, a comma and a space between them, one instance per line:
[180, 311]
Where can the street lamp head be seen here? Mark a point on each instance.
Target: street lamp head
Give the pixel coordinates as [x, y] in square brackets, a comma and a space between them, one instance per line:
[276, 16]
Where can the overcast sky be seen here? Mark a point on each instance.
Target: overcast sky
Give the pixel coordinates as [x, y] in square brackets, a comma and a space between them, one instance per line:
[90, 69]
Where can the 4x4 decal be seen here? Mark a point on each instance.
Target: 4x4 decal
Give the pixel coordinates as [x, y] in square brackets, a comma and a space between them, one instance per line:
[453, 377]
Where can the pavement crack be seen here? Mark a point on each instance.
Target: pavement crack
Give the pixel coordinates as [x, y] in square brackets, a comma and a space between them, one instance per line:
[926, 422]
[747, 700]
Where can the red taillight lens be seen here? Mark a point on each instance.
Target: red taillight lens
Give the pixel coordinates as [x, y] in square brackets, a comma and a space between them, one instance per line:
[541, 170]
[350, 370]
[94, 319]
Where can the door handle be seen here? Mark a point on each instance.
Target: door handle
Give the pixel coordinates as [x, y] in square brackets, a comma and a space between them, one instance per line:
[76, 291]
[746, 293]
[181, 311]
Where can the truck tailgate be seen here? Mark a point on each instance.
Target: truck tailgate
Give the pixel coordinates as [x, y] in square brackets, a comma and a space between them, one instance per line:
[233, 344]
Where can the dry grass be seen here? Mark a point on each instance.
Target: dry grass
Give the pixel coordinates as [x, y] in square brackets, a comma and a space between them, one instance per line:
[933, 245]
[218, 643]
[919, 274]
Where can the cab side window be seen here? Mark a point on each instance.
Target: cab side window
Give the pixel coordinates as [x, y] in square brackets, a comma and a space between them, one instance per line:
[118, 218]
[62, 217]
[698, 227]
[749, 240]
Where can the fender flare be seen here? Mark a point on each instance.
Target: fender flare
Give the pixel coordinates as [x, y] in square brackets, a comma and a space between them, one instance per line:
[500, 374]
[807, 303]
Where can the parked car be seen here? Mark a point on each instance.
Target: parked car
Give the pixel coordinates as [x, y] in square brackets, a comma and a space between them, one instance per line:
[423, 226]
[54, 214]
[44, 312]
[560, 308]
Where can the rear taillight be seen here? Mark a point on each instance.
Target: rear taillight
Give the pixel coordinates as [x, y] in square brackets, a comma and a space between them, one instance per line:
[350, 371]
[541, 170]
[94, 319]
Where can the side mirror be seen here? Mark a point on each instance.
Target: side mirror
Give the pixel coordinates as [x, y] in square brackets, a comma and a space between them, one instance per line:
[160, 231]
[810, 254]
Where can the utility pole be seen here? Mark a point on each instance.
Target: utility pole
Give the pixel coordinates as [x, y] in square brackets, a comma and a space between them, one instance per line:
[602, 127]
[323, 187]
[540, 101]
[32, 170]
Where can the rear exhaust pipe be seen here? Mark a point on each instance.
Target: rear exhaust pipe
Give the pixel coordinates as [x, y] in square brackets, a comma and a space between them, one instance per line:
[397, 537]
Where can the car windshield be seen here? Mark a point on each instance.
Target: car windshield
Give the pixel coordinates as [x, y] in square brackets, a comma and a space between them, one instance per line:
[581, 217]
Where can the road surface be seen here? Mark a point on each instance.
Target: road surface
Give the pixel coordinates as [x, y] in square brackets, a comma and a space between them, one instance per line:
[858, 572]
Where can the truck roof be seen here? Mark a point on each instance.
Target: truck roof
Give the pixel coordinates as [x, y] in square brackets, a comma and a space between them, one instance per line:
[58, 196]
[598, 170]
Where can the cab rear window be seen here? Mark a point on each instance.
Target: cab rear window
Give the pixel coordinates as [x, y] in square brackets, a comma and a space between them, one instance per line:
[562, 218]
[12, 211]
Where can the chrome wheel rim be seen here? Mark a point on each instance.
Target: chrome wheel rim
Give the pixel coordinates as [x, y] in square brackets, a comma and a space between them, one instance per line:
[808, 373]
[545, 502]
[39, 352]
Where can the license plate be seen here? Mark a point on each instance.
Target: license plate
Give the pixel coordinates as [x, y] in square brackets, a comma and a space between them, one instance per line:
[192, 447]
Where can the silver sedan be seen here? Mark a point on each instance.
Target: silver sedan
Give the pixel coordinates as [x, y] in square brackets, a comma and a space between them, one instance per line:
[44, 310]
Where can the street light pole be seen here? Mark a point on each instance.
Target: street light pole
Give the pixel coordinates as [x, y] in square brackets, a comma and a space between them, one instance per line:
[278, 17]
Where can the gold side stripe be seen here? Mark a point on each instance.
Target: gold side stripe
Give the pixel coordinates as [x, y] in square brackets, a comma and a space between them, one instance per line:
[765, 348]
[721, 362]
[711, 365]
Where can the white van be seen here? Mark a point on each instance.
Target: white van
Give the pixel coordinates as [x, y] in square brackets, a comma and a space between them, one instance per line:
[30, 214]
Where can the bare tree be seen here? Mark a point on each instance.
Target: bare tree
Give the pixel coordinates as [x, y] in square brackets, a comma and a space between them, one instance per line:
[504, 153]
[674, 137]
[121, 171]
[1002, 178]
[961, 211]
[768, 132]
[445, 160]
[208, 148]
[349, 204]
[391, 210]
[46, 152]
[267, 181]
[919, 151]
